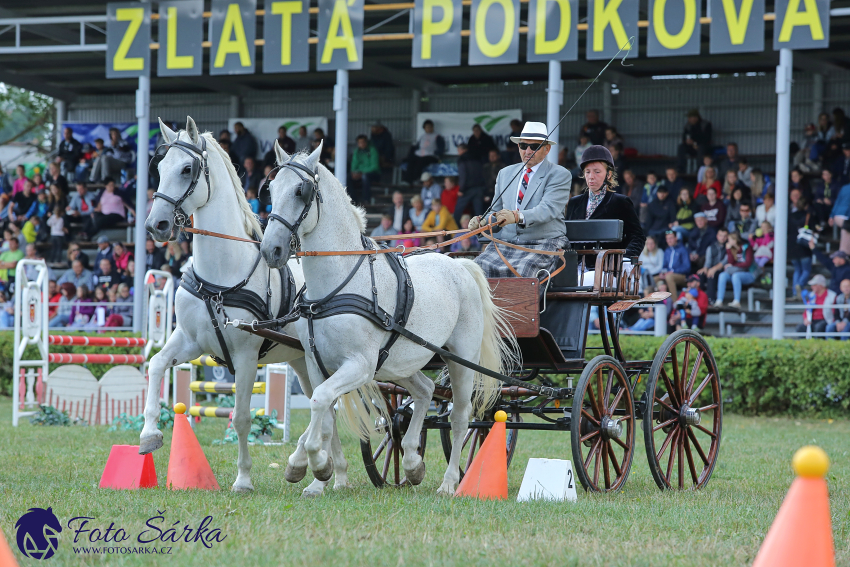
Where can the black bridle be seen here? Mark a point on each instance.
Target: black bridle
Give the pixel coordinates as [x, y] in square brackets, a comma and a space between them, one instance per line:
[308, 190]
[199, 163]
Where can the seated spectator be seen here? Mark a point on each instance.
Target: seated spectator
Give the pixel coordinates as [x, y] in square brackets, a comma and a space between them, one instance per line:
[82, 204]
[745, 174]
[408, 228]
[110, 211]
[37, 183]
[824, 193]
[106, 277]
[234, 159]
[42, 205]
[650, 188]
[760, 186]
[766, 211]
[836, 263]
[593, 319]
[730, 183]
[121, 256]
[430, 189]
[175, 258]
[841, 166]
[470, 244]
[77, 275]
[114, 159]
[417, 212]
[428, 149]
[685, 211]
[398, 212]
[632, 188]
[839, 216]
[583, 143]
[365, 168]
[7, 311]
[82, 308]
[714, 209]
[122, 314]
[491, 171]
[385, 229]
[74, 253]
[807, 156]
[652, 261]
[440, 218]
[69, 152]
[798, 181]
[696, 139]
[63, 312]
[252, 177]
[741, 269]
[471, 182]
[672, 181]
[449, 196]
[620, 163]
[251, 197]
[746, 224]
[841, 324]
[101, 309]
[762, 241]
[646, 321]
[692, 305]
[818, 319]
[660, 214]
[154, 256]
[54, 295]
[677, 264]
[382, 140]
[707, 161]
[699, 239]
[709, 180]
[8, 260]
[20, 179]
[5, 209]
[799, 254]
[302, 144]
[511, 154]
[130, 275]
[732, 159]
[612, 137]
[593, 129]
[54, 177]
[31, 229]
[23, 204]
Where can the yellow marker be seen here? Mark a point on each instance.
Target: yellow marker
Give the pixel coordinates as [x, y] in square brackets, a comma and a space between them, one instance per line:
[810, 462]
[179, 407]
[501, 416]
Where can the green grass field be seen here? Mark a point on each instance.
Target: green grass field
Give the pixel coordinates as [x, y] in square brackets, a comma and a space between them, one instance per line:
[721, 525]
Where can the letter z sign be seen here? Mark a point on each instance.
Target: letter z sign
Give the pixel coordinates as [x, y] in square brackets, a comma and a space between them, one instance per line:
[128, 38]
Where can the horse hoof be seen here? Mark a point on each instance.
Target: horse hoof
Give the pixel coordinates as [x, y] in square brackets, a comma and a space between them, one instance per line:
[295, 474]
[445, 490]
[417, 475]
[150, 444]
[325, 473]
[311, 493]
[242, 489]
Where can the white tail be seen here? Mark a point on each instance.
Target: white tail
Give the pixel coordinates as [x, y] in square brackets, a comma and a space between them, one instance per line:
[361, 409]
[500, 355]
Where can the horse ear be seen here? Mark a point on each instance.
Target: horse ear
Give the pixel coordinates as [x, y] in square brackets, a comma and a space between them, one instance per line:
[167, 133]
[282, 156]
[192, 130]
[313, 159]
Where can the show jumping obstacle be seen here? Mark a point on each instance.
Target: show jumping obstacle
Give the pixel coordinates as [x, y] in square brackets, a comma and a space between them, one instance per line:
[73, 388]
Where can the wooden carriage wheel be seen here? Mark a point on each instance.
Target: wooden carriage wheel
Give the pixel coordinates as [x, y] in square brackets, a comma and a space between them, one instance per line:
[683, 414]
[474, 438]
[602, 427]
[383, 461]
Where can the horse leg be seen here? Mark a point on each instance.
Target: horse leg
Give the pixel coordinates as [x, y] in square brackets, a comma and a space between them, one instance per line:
[296, 468]
[421, 389]
[299, 365]
[246, 371]
[462, 383]
[177, 350]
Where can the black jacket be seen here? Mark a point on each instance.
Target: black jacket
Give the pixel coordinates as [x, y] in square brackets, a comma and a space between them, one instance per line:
[613, 206]
[470, 172]
[660, 214]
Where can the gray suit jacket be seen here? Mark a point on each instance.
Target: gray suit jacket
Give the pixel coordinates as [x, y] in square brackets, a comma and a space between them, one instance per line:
[543, 205]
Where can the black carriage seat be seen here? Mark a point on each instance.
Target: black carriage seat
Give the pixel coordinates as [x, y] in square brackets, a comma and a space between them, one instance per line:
[594, 231]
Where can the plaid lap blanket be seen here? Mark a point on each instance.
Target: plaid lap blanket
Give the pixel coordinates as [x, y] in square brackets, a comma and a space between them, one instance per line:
[526, 263]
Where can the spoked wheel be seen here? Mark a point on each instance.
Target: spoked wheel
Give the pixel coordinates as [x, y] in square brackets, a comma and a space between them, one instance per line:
[474, 438]
[683, 416]
[383, 459]
[602, 428]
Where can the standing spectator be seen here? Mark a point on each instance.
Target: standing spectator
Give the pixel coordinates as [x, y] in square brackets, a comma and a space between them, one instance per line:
[430, 189]
[652, 262]
[31, 229]
[740, 268]
[715, 260]
[661, 213]
[252, 177]
[685, 211]
[429, 148]
[8, 260]
[824, 193]
[154, 256]
[365, 167]
[799, 255]
[471, 183]
[70, 151]
[593, 129]
[677, 264]
[714, 209]
[491, 171]
[245, 144]
[418, 212]
[76, 276]
[398, 212]
[108, 212]
[732, 159]
[672, 181]
[382, 140]
[385, 229]
[449, 196]
[709, 180]
[113, 160]
[745, 225]
[286, 143]
[842, 323]
[766, 211]
[699, 239]
[511, 154]
[480, 144]
[56, 222]
[696, 139]
[302, 144]
[818, 319]
[836, 263]
[440, 218]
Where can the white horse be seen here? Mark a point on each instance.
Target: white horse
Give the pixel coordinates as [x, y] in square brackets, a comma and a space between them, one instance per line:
[220, 207]
[453, 308]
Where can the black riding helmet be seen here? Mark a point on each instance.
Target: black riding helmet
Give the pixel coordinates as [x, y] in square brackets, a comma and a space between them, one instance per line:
[596, 153]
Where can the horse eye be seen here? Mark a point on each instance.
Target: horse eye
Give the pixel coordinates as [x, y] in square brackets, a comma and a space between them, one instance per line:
[187, 170]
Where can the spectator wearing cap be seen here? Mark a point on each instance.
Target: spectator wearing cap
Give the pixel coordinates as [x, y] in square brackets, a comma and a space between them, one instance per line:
[677, 263]
[471, 183]
[365, 167]
[385, 229]
[841, 324]
[104, 251]
[696, 139]
[430, 189]
[382, 140]
[836, 263]
[245, 144]
[818, 319]
[699, 239]
[660, 213]
[428, 149]
[741, 269]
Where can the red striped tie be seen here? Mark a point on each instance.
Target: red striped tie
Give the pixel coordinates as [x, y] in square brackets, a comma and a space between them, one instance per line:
[524, 186]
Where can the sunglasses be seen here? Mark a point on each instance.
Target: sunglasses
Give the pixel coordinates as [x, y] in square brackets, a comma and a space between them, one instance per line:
[524, 146]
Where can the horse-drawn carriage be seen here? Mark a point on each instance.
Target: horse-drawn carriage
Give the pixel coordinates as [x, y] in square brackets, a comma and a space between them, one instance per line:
[590, 395]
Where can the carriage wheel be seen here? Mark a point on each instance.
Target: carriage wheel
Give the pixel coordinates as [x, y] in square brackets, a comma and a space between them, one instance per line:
[382, 453]
[683, 416]
[474, 438]
[602, 428]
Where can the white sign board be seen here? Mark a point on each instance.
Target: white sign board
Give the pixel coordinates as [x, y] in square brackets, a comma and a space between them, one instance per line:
[548, 479]
[456, 127]
[157, 318]
[31, 316]
[265, 129]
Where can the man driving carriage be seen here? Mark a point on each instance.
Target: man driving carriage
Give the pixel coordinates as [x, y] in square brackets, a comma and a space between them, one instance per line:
[530, 199]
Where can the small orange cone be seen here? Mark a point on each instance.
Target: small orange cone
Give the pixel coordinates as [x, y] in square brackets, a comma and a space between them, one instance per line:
[126, 469]
[187, 465]
[7, 558]
[801, 534]
[487, 476]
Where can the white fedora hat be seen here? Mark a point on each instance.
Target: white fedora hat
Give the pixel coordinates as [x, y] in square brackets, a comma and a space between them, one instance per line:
[533, 131]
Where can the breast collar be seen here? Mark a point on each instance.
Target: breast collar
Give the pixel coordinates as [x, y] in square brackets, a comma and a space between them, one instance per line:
[199, 164]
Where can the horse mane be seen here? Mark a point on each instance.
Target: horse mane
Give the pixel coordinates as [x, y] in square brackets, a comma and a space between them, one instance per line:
[330, 179]
[252, 225]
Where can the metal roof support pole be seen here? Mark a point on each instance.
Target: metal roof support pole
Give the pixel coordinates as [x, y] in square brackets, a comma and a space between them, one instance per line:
[341, 134]
[143, 110]
[783, 139]
[61, 116]
[817, 96]
[554, 100]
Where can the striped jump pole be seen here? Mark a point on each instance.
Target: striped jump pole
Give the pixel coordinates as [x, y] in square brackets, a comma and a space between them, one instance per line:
[199, 411]
[207, 360]
[224, 387]
[74, 340]
[63, 358]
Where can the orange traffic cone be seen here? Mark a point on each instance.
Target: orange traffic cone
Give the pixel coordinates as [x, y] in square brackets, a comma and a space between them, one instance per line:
[487, 476]
[187, 465]
[7, 558]
[801, 534]
[126, 469]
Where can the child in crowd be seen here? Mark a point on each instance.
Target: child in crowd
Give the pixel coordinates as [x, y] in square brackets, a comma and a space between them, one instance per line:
[251, 195]
[689, 311]
[56, 222]
[42, 206]
[408, 228]
[762, 241]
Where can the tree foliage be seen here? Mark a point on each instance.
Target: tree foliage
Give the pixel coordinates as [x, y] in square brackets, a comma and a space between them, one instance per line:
[26, 116]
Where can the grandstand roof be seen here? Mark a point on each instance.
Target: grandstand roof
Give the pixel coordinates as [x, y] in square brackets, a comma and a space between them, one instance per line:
[66, 75]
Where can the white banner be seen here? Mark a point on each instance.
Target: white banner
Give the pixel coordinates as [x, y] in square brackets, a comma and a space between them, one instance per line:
[265, 129]
[456, 127]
